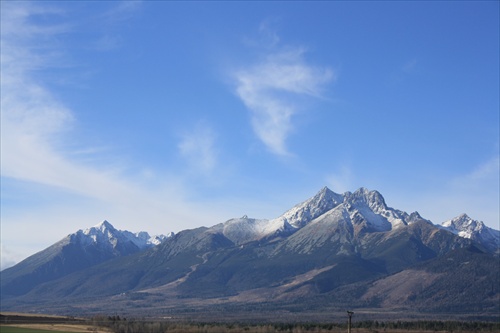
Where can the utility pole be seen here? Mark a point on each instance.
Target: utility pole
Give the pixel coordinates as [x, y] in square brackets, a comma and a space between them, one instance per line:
[349, 313]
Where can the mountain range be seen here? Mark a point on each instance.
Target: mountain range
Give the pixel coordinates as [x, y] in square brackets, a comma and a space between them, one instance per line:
[332, 251]
[77, 251]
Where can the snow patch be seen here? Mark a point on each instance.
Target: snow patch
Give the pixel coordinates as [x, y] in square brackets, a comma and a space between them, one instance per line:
[106, 235]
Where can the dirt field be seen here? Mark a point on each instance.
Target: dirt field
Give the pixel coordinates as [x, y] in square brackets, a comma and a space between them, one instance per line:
[40, 328]
[11, 322]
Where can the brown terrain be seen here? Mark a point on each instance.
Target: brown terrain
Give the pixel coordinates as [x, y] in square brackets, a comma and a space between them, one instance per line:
[48, 322]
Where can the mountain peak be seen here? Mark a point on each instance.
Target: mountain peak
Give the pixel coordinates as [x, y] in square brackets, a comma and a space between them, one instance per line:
[104, 225]
[325, 189]
[415, 216]
[101, 228]
[378, 216]
[105, 234]
[303, 213]
[463, 217]
[462, 223]
[327, 194]
[372, 198]
[466, 227]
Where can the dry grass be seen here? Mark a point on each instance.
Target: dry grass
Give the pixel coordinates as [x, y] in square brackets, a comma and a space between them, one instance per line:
[36, 321]
[3, 313]
[67, 328]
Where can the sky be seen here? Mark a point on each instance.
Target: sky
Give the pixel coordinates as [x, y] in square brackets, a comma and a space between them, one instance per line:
[166, 116]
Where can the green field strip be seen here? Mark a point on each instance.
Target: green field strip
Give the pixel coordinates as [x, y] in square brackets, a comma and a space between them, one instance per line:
[13, 329]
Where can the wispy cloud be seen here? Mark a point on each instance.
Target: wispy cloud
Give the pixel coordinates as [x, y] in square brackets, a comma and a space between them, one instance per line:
[476, 193]
[410, 66]
[38, 151]
[8, 258]
[123, 11]
[483, 173]
[31, 118]
[35, 125]
[341, 181]
[271, 89]
[267, 32]
[198, 147]
[109, 23]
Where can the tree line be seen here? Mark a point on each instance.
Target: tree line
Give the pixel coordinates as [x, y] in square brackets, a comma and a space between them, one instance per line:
[116, 324]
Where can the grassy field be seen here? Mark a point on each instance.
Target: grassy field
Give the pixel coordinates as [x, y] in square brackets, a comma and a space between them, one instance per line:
[40, 323]
[45, 328]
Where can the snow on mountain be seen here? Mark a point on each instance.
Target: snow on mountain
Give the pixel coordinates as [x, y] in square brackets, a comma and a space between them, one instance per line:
[75, 252]
[107, 236]
[463, 226]
[348, 236]
[376, 214]
[334, 226]
[301, 214]
[466, 227]
[352, 215]
[365, 209]
[243, 230]
[155, 239]
[362, 203]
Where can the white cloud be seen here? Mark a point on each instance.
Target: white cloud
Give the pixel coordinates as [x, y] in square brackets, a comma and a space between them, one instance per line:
[34, 124]
[410, 66]
[271, 36]
[8, 258]
[109, 20]
[341, 181]
[476, 193]
[270, 90]
[484, 173]
[30, 116]
[197, 146]
[38, 155]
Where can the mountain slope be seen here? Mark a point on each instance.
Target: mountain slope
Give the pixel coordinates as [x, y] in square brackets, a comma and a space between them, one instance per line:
[330, 249]
[431, 284]
[75, 252]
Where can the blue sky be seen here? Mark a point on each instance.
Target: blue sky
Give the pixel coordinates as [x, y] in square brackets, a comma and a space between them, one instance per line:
[163, 116]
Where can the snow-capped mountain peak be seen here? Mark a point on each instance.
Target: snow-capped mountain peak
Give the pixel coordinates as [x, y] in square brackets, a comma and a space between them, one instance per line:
[245, 229]
[466, 227]
[105, 225]
[372, 199]
[365, 208]
[361, 211]
[312, 208]
[463, 225]
[415, 216]
[106, 235]
[371, 205]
